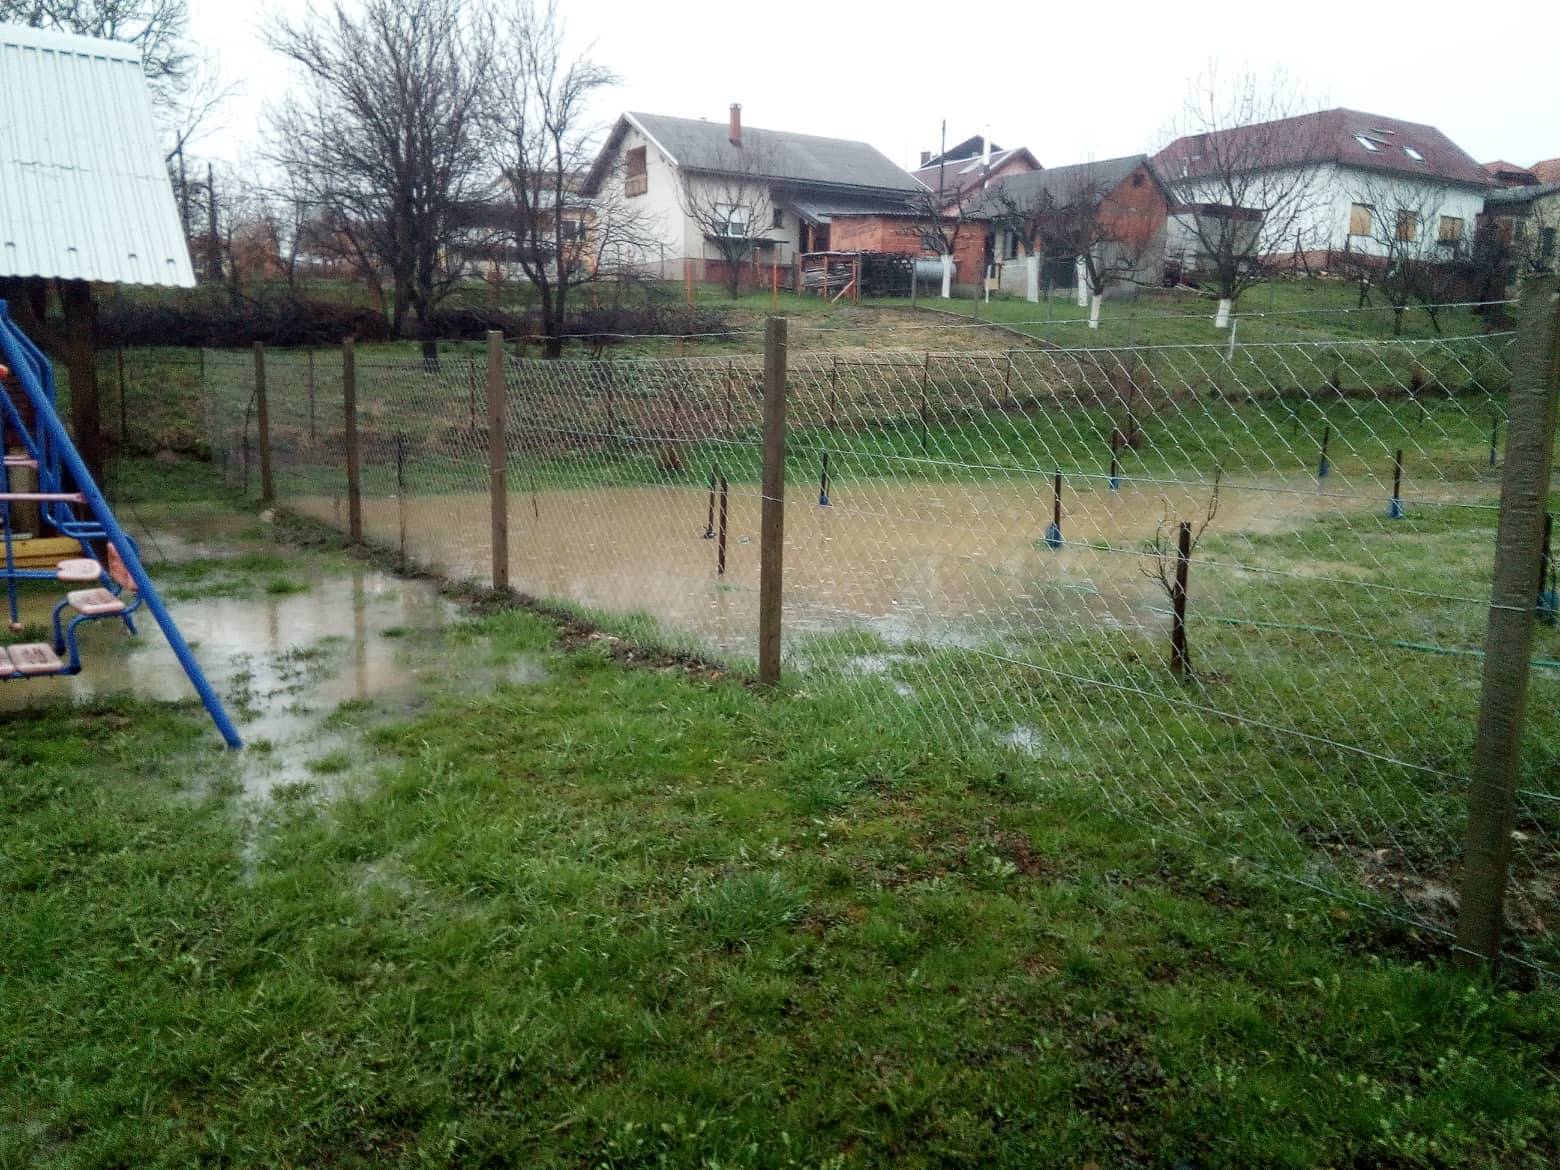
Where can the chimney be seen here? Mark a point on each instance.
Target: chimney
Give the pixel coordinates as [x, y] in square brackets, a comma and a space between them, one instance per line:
[736, 123]
[926, 157]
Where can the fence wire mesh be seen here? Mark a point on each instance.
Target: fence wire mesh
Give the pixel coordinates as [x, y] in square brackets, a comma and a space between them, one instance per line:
[984, 548]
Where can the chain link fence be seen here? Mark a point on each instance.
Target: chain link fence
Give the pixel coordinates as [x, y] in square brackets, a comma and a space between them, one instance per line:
[1238, 591]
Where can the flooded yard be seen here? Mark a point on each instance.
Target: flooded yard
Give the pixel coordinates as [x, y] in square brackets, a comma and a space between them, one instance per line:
[945, 563]
[285, 663]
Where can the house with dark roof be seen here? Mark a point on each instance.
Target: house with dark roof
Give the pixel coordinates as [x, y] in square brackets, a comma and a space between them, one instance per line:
[1361, 176]
[691, 181]
[1523, 225]
[1509, 174]
[959, 174]
[1041, 222]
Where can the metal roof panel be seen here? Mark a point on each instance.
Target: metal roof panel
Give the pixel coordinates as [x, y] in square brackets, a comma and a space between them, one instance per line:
[84, 191]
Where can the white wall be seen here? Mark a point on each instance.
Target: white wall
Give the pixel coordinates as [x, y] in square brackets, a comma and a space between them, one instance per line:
[674, 234]
[1332, 190]
[1432, 198]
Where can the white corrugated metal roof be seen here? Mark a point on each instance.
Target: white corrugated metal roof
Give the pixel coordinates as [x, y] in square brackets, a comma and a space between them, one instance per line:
[84, 192]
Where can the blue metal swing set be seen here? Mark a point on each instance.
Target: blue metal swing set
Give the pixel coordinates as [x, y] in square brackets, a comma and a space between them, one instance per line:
[112, 584]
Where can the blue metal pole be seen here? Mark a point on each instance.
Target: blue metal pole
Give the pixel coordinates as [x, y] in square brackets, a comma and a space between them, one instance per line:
[61, 444]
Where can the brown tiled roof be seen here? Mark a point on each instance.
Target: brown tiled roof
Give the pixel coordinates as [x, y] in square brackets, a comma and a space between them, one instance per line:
[1547, 171]
[1347, 137]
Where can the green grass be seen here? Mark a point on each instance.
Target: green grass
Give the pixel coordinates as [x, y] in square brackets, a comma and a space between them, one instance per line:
[1277, 311]
[627, 918]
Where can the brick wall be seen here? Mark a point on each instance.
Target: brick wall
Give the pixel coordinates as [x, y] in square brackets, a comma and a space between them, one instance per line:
[901, 235]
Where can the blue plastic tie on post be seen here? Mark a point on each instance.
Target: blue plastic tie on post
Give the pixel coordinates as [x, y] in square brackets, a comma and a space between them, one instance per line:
[1053, 535]
[1115, 483]
[1549, 607]
[1394, 509]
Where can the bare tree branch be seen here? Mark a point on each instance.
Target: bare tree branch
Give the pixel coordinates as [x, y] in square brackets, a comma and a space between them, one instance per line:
[384, 139]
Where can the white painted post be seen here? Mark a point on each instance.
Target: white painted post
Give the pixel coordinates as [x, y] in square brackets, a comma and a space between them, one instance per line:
[1081, 281]
[1222, 317]
[1094, 313]
[1032, 277]
[1229, 355]
[947, 282]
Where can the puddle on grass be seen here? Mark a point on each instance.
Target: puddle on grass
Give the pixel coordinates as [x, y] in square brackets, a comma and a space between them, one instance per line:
[948, 564]
[301, 672]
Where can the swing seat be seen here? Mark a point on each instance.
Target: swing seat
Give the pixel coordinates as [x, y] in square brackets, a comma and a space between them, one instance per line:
[94, 602]
[78, 570]
[30, 659]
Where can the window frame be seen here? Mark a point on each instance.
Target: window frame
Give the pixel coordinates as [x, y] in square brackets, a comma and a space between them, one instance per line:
[730, 214]
[1369, 210]
[1405, 229]
[636, 179]
[1456, 235]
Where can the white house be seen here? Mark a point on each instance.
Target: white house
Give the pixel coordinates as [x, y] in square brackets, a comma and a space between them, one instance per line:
[1362, 181]
[654, 167]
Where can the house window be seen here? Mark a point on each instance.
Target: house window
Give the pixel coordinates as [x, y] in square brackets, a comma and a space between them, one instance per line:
[1413, 154]
[1407, 226]
[733, 220]
[1361, 217]
[779, 220]
[1451, 230]
[636, 179]
[1366, 143]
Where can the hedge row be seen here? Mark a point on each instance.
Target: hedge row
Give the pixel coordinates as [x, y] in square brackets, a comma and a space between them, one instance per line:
[123, 322]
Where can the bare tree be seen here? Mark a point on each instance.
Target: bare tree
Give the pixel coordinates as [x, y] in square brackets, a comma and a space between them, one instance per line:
[939, 214]
[1162, 567]
[384, 138]
[541, 138]
[732, 208]
[1243, 145]
[1073, 213]
[156, 27]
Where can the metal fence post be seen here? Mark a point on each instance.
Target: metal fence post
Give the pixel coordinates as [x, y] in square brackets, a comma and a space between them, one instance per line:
[498, 459]
[263, 422]
[772, 529]
[1530, 428]
[350, 438]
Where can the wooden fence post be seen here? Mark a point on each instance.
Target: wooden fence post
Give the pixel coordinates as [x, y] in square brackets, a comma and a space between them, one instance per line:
[772, 528]
[350, 437]
[263, 422]
[498, 459]
[1508, 642]
[1180, 657]
[124, 413]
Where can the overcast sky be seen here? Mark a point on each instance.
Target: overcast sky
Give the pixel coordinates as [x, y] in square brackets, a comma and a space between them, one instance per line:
[1072, 81]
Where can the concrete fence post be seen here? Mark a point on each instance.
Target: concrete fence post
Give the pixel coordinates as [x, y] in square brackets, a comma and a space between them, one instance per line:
[1508, 643]
[772, 527]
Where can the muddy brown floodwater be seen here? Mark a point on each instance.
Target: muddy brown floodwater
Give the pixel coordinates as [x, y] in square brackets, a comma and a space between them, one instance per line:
[946, 563]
